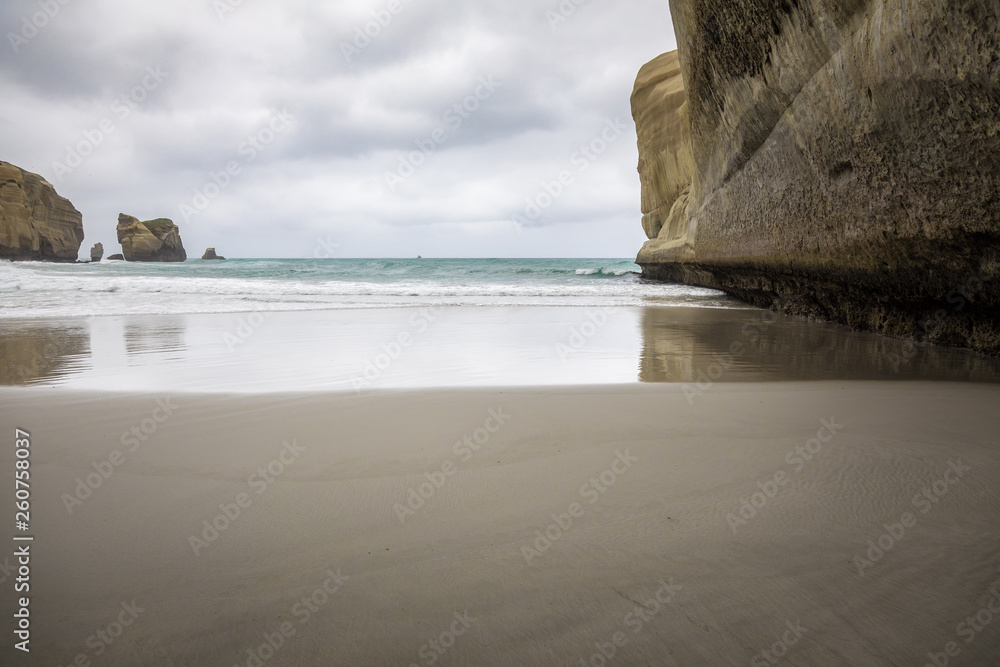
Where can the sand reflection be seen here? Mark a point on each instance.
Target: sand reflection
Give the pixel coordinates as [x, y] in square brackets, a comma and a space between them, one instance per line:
[36, 353]
[692, 345]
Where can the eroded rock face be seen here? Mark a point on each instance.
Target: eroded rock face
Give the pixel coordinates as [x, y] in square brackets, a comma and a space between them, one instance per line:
[666, 164]
[846, 161]
[150, 241]
[97, 252]
[35, 222]
[210, 254]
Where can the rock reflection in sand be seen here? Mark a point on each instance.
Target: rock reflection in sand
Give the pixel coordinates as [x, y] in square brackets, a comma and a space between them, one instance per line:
[35, 352]
[751, 345]
[492, 347]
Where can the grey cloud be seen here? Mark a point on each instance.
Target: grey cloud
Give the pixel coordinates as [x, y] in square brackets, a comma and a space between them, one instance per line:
[354, 120]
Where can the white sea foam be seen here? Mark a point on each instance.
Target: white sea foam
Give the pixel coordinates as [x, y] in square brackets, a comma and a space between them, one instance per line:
[115, 288]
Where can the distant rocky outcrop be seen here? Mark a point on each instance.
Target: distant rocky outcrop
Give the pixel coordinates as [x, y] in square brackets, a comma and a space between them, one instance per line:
[116, 258]
[151, 241]
[210, 254]
[97, 252]
[35, 222]
[845, 161]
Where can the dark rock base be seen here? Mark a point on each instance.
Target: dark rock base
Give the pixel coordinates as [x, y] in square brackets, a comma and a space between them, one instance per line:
[37, 257]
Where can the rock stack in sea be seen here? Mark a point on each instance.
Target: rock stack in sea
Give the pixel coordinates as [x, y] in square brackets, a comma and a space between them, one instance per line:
[151, 241]
[838, 160]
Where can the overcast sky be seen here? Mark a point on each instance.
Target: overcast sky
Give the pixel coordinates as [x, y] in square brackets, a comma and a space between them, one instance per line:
[306, 128]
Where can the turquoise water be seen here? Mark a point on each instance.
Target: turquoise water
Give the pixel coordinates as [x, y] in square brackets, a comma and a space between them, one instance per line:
[35, 290]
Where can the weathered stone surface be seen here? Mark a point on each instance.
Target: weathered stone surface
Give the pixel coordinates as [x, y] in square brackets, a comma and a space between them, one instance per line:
[116, 258]
[150, 241]
[35, 222]
[210, 254]
[97, 252]
[665, 160]
[846, 161]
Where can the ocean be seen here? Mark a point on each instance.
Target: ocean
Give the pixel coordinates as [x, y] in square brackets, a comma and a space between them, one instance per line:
[46, 290]
[354, 325]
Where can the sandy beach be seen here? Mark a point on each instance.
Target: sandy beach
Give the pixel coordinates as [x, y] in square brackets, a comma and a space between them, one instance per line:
[500, 334]
[516, 526]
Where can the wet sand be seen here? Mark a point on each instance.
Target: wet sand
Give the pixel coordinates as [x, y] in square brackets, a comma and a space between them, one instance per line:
[417, 348]
[369, 530]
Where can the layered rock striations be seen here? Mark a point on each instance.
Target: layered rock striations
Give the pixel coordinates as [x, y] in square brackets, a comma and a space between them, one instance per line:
[666, 163]
[845, 161]
[150, 241]
[35, 222]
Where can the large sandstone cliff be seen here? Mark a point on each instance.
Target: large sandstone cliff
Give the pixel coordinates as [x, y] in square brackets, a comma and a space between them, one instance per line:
[151, 241]
[666, 164]
[846, 160]
[35, 222]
